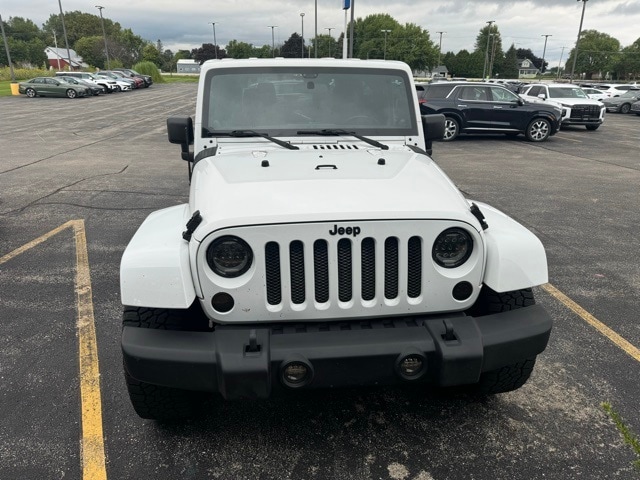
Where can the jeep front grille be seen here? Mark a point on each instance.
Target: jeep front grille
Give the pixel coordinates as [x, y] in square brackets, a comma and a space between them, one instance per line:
[345, 250]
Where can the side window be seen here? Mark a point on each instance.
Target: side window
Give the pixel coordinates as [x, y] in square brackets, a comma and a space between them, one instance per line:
[534, 91]
[502, 95]
[476, 93]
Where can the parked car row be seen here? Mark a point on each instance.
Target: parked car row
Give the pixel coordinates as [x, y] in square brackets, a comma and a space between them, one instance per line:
[82, 84]
[538, 111]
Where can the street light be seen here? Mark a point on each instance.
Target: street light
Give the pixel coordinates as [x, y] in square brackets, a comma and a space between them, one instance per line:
[440, 48]
[273, 44]
[215, 42]
[385, 43]
[575, 56]
[302, 20]
[544, 51]
[493, 51]
[486, 54]
[329, 28]
[104, 34]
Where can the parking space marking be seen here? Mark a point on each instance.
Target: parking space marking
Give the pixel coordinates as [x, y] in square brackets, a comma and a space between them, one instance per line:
[92, 454]
[616, 338]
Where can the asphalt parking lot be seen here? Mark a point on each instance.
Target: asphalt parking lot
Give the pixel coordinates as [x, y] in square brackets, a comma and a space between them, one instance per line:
[77, 177]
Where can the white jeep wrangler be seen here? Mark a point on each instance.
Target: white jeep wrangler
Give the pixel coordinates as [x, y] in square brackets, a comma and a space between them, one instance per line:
[322, 247]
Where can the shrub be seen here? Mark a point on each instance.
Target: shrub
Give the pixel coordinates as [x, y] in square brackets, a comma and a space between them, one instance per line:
[149, 68]
[24, 73]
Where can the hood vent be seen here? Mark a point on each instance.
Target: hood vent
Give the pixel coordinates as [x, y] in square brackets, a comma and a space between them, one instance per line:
[333, 146]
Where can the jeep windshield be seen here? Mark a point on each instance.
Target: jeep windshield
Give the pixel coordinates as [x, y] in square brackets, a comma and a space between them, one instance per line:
[284, 100]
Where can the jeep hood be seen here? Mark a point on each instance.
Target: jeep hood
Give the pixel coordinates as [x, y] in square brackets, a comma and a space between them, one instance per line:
[286, 186]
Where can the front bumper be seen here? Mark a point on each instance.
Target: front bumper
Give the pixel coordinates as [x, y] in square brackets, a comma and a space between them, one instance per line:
[456, 350]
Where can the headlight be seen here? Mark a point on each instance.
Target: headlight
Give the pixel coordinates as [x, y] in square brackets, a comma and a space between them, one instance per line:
[229, 256]
[452, 248]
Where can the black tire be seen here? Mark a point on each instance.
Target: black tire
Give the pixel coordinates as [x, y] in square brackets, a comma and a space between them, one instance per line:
[71, 93]
[538, 130]
[156, 402]
[625, 108]
[592, 127]
[30, 92]
[451, 129]
[510, 377]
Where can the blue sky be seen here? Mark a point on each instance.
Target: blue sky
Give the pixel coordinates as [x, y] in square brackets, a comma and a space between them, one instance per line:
[185, 24]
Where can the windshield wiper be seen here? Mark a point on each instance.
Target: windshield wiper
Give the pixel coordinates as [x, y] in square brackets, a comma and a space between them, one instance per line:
[253, 133]
[337, 131]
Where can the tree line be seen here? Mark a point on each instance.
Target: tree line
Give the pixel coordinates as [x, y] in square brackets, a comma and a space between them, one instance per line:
[376, 36]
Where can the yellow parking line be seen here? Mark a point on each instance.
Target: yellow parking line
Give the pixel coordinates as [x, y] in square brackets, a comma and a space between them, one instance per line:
[93, 456]
[617, 339]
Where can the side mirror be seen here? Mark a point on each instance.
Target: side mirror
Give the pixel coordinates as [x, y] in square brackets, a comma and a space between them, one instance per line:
[433, 128]
[542, 96]
[180, 131]
[520, 102]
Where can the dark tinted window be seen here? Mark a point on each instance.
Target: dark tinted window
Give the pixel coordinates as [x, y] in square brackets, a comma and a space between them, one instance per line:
[437, 91]
[473, 93]
[535, 91]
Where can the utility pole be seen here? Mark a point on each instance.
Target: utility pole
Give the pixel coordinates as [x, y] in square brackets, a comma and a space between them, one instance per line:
[544, 51]
[302, 21]
[329, 28]
[6, 47]
[64, 31]
[385, 43]
[316, 33]
[440, 48]
[575, 56]
[486, 53]
[215, 42]
[351, 27]
[560, 62]
[104, 34]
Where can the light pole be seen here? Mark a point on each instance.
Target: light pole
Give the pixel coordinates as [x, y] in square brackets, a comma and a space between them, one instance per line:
[302, 20]
[560, 63]
[104, 34]
[575, 56]
[215, 42]
[384, 56]
[544, 51]
[316, 32]
[486, 54]
[273, 42]
[440, 48]
[329, 28]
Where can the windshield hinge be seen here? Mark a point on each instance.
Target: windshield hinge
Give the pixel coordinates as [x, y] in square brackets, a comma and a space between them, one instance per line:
[475, 210]
[192, 224]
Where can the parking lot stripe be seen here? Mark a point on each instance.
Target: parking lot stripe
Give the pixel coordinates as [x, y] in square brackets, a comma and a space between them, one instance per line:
[92, 454]
[616, 338]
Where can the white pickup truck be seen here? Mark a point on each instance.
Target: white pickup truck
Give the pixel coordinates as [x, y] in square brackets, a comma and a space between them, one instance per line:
[322, 247]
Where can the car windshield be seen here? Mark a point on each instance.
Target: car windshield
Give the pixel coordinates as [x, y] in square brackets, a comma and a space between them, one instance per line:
[566, 92]
[280, 101]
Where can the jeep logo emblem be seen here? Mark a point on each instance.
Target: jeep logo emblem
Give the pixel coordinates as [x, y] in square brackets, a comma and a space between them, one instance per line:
[355, 231]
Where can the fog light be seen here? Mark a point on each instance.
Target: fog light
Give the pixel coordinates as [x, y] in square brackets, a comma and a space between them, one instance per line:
[296, 373]
[462, 291]
[411, 365]
[222, 302]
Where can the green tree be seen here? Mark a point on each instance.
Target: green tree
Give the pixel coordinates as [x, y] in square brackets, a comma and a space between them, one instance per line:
[510, 68]
[207, 52]
[126, 46]
[236, 49]
[292, 47]
[91, 49]
[326, 46]
[628, 64]
[597, 53]
[150, 53]
[489, 45]
[25, 41]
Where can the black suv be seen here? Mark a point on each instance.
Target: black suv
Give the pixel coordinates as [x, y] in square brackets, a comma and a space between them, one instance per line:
[488, 108]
